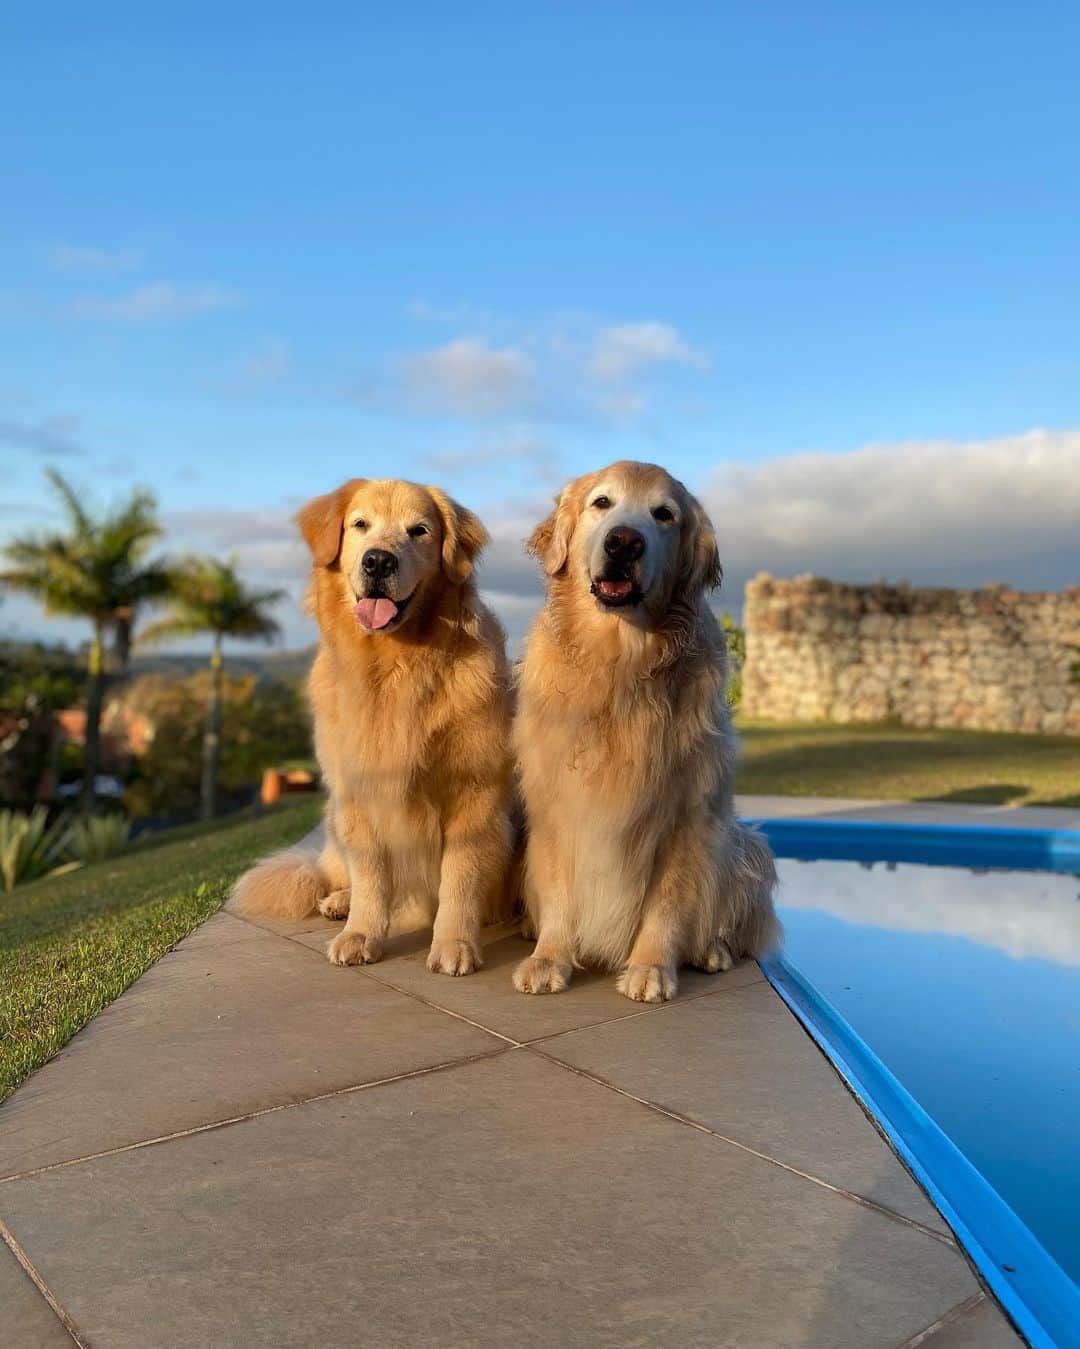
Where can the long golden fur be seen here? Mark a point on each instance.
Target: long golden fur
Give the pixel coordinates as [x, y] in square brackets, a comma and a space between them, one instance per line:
[412, 729]
[635, 861]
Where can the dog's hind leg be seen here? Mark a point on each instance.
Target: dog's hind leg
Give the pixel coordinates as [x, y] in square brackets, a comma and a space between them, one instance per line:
[334, 867]
[746, 919]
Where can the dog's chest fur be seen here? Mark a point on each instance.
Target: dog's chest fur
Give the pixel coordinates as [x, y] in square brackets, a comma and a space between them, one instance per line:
[605, 774]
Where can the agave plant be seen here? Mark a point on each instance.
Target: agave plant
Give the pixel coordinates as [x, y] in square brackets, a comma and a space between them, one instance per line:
[97, 837]
[30, 846]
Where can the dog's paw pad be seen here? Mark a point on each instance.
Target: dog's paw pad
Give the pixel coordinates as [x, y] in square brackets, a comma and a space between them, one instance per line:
[335, 905]
[647, 983]
[453, 957]
[540, 975]
[353, 948]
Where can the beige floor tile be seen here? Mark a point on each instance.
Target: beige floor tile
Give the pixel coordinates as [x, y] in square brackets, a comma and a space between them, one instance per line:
[489, 996]
[743, 1066]
[233, 1020]
[506, 1201]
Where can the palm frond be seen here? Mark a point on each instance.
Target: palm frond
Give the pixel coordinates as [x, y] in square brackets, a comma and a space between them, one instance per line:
[208, 595]
[74, 507]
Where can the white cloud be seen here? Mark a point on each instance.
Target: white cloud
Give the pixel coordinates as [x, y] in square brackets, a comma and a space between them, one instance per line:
[932, 512]
[620, 405]
[1035, 916]
[567, 367]
[626, 349]
[156, 300]
[53, 437]
[92, 261]
[265, 367]
[468, 378]
[517, 445]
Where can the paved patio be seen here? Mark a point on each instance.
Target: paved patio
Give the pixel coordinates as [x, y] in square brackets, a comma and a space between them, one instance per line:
[251, 1147]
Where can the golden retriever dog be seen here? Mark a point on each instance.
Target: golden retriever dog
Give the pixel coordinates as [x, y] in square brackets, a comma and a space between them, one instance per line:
[411, 701]
[635, 861]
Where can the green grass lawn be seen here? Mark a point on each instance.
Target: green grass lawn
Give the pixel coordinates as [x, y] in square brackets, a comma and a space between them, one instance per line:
[71, 944]
[903, 764]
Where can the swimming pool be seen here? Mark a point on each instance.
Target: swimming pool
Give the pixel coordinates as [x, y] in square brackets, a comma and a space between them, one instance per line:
[949, 997]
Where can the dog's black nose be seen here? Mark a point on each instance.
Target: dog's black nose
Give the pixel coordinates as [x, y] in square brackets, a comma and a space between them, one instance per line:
[624, 544]
[378, 563]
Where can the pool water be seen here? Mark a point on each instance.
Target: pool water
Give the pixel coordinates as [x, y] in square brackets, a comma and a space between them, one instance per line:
[966, 985]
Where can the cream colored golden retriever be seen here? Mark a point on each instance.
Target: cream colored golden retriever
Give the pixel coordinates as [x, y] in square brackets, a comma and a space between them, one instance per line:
[635, 861]
[410, 693]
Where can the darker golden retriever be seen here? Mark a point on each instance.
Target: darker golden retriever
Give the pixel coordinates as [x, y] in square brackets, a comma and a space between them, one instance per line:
[411, 701]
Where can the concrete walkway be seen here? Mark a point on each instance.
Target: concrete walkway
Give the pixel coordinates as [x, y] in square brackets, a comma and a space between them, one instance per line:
[250, 1147]
[908, 812]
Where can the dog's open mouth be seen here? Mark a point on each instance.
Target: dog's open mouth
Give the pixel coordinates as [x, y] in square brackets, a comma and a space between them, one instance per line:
[375, 613]
[615, 592]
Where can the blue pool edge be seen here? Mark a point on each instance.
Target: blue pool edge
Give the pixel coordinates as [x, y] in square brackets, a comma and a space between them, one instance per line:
[1040, 1297]
[981, 847]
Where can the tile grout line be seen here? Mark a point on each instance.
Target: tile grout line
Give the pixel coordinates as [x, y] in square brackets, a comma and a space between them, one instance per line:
[678, 1001]
[31, 1271]
[954, 1314]
[212, 1125]
[532, 1045]
[552, 1035]
[745, 1147]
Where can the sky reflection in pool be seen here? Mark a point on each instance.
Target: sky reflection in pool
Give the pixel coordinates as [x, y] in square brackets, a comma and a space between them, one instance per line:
[967, 986]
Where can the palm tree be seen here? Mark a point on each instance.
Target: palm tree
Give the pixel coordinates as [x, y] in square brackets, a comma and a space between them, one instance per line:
[208, 596]
[96, 568]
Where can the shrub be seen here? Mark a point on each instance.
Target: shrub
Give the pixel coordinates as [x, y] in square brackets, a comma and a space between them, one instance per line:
[99, 837]
[263, 724]
[736, 646]
[30, 846]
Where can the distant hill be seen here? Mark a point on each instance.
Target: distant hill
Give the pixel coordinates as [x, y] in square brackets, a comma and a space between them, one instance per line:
[286, 665]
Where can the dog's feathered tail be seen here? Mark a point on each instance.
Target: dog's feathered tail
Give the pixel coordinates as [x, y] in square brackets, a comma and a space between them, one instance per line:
[749, 924]
[287, 885]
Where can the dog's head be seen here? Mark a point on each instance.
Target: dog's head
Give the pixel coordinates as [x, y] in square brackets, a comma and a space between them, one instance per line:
[634, 538]
[392, 543]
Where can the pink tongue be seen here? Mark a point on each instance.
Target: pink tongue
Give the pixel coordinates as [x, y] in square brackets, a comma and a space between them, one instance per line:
[616, 589]
[375, 614]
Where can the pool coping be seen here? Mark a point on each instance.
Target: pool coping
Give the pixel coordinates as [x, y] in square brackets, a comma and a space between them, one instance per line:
[1008, 847]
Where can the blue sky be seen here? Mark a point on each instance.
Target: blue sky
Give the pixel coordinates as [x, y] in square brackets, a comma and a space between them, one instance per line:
[821, 261]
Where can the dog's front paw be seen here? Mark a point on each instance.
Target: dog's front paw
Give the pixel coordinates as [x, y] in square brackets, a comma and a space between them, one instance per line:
[717, 958]
[335, 905]
[540, 975]
[353, 948]
[647, 983]
[454, 957]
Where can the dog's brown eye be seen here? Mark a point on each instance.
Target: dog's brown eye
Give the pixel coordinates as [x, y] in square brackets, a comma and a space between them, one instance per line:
[601, 503]
[359, 524]
[418, 531]
[663, 514]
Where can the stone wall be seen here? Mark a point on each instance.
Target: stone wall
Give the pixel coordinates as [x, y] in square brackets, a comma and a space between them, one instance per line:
[992, 659]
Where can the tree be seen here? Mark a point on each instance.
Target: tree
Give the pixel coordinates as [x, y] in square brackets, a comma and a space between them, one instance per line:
[96, 568]
[207, 596]
[265, 724]
[735, 636]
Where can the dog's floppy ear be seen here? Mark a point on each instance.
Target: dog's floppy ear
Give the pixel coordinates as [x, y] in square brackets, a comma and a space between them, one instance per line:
[463, 536]
[699, 565]
[321, 522]
[550, 540]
